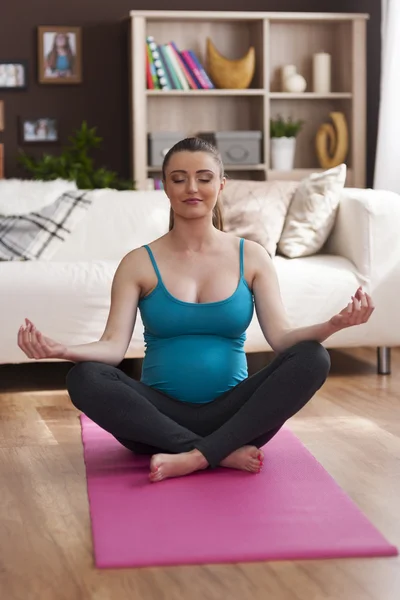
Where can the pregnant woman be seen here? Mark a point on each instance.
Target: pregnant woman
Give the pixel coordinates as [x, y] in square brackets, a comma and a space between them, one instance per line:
[196, 287]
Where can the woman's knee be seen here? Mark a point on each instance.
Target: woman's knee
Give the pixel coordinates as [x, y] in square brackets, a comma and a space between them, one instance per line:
[314, 356]
[80, 380]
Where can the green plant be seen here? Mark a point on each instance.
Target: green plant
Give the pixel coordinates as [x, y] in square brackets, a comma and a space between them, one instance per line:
[75, 163]
[280, 127]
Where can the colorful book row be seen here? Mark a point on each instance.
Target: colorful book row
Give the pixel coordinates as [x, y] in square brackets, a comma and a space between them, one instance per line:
[168, 68]
[154, 184]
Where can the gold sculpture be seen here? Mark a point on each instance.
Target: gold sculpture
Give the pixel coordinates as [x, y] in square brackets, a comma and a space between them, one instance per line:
[332, 141]
[230, 74]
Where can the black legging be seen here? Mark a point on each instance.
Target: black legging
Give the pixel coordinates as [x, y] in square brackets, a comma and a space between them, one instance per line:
[148, 421]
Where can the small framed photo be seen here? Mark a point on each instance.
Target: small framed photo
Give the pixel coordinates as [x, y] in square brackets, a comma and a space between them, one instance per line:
[43, 130]
[13, 74]
[60, 55]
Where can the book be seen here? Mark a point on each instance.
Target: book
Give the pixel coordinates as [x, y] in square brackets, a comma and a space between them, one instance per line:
[177, 69]
[193, 66]
[153, 73]
[149, 79]
[183, 67]
[175, 83]
[193, 74]
[164, 84]
[209, 84]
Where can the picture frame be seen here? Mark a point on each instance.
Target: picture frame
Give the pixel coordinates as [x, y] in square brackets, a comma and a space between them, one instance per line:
[38, 130]
[13, 74]
[59, 55]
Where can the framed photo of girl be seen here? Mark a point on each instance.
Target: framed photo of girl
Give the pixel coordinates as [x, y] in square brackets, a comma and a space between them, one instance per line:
[60, 55]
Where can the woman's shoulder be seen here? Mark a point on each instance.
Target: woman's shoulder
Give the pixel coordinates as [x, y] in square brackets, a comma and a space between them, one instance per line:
[252, 250]
[138, 257]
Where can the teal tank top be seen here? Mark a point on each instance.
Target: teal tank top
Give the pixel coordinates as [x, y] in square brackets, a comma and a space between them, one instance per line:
[194, 352]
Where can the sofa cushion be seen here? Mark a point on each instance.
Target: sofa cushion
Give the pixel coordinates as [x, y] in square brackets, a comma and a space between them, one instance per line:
[313, 289]
[256, 210]
[116, 223]
[23, 196]
[38, 235]
[311, 214]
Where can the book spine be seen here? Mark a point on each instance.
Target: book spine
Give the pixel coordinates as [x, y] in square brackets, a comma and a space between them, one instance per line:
[149, 79]
[169, 68]
[162, 79]
[204, 75]
[183, 67]
[193, 74]
[177, 69]
[158, 184]
[152, 69]
[195, 69]
[165, 69]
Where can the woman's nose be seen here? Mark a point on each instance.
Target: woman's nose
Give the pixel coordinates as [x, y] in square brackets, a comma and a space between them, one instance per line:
[192, 185]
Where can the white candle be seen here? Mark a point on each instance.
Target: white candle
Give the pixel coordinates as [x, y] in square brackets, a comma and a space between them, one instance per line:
[322, 73]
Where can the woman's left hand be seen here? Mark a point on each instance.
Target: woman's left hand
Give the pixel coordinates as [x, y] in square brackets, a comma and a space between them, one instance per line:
[357, 311]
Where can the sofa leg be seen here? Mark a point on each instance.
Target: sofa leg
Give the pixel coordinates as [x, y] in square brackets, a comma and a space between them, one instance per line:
[383, 360]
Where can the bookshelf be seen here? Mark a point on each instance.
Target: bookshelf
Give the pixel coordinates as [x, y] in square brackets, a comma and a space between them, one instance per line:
[278, 39]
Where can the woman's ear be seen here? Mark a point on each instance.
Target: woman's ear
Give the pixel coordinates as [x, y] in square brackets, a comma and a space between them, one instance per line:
[223, 182]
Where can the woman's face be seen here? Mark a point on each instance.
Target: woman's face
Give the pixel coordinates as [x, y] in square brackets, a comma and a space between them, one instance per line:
[192, 183]
[61, 40]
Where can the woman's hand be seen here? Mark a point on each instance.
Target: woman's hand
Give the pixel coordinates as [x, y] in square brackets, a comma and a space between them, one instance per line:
[357, 311]
[36, 345]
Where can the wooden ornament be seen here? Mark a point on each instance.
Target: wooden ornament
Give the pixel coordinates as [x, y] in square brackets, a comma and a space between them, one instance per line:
[230, 74]
[332, 141]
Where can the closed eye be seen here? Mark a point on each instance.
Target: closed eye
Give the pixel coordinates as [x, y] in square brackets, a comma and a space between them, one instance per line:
[182, 180]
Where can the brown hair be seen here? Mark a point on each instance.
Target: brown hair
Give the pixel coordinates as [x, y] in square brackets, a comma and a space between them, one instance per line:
[52, 55]
[195, 144]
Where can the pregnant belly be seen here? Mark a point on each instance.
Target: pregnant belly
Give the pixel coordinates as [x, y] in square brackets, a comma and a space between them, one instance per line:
[194, 368]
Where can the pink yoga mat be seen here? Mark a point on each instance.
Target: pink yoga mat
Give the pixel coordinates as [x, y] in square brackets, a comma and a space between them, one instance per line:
[292, 510]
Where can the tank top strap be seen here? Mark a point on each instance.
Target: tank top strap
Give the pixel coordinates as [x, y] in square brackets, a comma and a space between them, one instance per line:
[153, 262]
[241, 257]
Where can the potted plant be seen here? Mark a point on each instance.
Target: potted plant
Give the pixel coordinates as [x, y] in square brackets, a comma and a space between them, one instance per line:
[74, 163]
[283, 142]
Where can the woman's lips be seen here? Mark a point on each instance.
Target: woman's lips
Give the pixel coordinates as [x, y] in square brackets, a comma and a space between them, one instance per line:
[192, 201]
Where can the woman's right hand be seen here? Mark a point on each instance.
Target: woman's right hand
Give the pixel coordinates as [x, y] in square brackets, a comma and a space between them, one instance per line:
[35, 345]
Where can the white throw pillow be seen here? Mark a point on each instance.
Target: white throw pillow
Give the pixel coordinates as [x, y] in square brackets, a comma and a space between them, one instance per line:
[22, 196]
[256, 210]
[312, 212]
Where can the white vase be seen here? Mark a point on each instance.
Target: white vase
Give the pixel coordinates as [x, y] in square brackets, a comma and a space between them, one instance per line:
[282, 153]
[291, 80]
[295, 84]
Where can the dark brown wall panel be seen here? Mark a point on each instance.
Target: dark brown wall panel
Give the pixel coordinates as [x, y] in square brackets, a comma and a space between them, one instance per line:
[102, 98]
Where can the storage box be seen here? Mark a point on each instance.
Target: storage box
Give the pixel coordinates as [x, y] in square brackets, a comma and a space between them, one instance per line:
[159, 142]
[239, 147]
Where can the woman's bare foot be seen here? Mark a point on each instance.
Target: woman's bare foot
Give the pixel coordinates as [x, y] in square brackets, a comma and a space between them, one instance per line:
[247, 458]
[176, 465]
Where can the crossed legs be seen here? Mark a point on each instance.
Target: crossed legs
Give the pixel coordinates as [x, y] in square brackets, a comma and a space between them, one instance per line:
[184, 437]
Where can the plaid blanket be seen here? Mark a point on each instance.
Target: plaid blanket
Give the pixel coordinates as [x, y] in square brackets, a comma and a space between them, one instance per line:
[37, 235]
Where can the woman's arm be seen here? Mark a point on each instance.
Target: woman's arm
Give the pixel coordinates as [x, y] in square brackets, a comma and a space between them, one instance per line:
[113, 344]
[271, 312]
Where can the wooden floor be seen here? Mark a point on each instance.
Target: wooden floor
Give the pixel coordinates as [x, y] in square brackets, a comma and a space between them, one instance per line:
[352, 426]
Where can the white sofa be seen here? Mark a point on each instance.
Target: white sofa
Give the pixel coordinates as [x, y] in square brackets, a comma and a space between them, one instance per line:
[68, 297]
